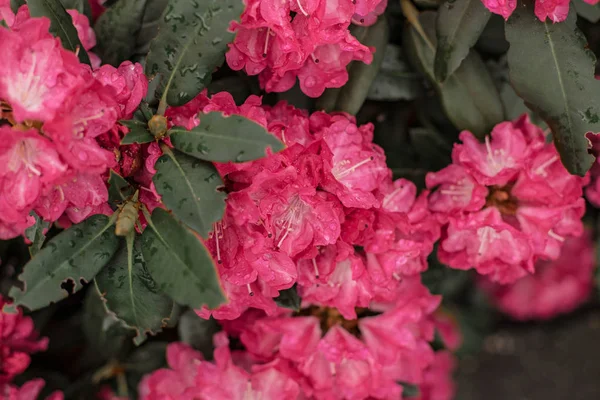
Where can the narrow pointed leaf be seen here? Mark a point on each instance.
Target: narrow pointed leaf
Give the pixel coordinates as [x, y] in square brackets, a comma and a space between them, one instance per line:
[61, 25]
[180, 263]
[221, 139]
[77, 253]
[469, 97]
[188, 187]
[118, 188]
[131, 293]
[192, 40]
[553, 71]
[116, 30]
[459, 25]
[138, 132]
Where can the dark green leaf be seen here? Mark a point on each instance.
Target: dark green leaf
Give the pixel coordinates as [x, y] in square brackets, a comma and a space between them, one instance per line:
[180, 263]
[105, 334]
[116, 30]
[289, 298]
[409, 390]
[189, 188]
[3, 23]
[395, 80]
[138, 132]
[15, 4]
[35, 234]
[143, 360]
[591, 12]
[118, 188]
[149, 27]
[61, 25]
[131, 293]
[77, 253]
[198, 332]
[192, 41]
[553, 71]
[469, 97]
[221, 139]
[361, 75]
[459, 24]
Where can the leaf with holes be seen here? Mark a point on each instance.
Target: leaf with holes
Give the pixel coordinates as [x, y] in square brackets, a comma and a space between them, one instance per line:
[192, 40]
[61, 25]
[77, 253]
[131, 293]
[459, 25]
[469, 97]
[552, 69]
[221, 139]
[180, 263]
[188, 187]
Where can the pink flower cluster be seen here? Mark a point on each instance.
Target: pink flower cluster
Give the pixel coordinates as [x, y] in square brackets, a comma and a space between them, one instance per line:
[555, 10]
[300, 216]
[18, 339]
[557, 287]
[280, 40]
[317, 354]
[56, 111]
[506, 202]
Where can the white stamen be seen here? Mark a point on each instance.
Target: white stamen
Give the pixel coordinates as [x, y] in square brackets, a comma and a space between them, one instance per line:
[316, 268]
[250, 292]
[314, 58]
[390, 197]
[555, 236]
[348, 171]
[266, 42]
[218, 235]
[283, 135]
[302, 10]
[290, 219]
[396, 277]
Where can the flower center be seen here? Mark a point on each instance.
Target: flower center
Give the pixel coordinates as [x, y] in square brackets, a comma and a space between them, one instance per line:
[330, 317]
[502, 199]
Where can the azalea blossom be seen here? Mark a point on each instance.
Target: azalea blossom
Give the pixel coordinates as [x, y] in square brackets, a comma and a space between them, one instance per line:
[555, 10]
[556, 287]
[506, 202]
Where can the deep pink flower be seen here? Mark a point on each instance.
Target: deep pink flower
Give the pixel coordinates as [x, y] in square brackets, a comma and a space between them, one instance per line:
[84, 30]
[128, 83]
[437, 381]
[557, 287]
[28, 391]
[18, 339]
[555, 10]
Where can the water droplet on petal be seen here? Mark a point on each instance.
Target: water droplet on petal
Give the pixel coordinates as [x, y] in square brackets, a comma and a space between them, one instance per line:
[310, 81]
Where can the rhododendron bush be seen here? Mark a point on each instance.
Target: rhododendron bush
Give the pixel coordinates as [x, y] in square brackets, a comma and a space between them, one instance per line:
[287, 199]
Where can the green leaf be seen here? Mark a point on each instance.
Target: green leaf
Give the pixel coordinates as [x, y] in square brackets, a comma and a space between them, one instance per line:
[192, 41]
[552, 69]
[409, 390]
[591, 12]
[149, 27]
[395, 80]
[189, 188]
[77, 253]
[459, 24]
[82, 6]
[131, 293]
[469, 97]
[361, 75]
[221, 139]
[35, 234]
[116, 30]
[119, 189]
[289, 298]
[61, 25]
[180, 263]
[138, 132]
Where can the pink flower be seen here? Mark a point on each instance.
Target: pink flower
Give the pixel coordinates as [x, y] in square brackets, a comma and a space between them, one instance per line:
[501, 7]
[557, 287]
[28, 391]
[84, 30]
[315, 45]
[18, 339]
[128, 83]
[437, 383]
[511, 192]
[556, 10]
